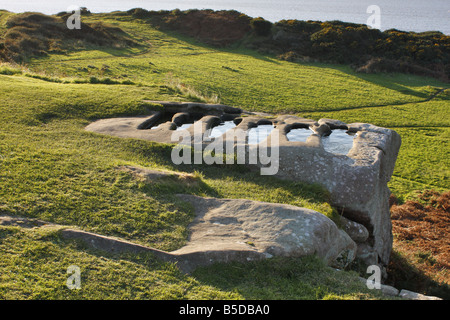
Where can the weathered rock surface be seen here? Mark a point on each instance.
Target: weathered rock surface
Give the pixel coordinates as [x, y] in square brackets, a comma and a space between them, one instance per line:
[356, 231]
[151, 175]
[267, 229]
[357, 181]
[410, 295]
[404, 294]
[21, 222]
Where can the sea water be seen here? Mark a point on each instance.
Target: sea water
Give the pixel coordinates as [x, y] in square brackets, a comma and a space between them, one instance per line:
[340, 141]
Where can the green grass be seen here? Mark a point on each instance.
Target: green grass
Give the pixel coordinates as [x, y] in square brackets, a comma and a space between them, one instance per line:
[261, 83]
[4, 15]
[52, 169]
[34, 265]
[286, 279]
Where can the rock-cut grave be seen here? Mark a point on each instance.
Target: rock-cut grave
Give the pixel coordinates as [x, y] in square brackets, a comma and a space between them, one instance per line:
[354, 162]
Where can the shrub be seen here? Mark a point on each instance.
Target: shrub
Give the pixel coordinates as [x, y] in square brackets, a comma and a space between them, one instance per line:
[288, 56]
[175, 12]
[261, 26]
[138, 13]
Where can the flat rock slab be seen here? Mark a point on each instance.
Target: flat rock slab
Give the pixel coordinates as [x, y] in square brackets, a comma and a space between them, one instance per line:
[264, 229]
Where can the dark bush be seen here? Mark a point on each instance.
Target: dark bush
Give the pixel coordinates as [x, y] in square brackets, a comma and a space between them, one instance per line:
[370, 50]
[299, 26]
[288, 56]
[261, 26]
[139, 13]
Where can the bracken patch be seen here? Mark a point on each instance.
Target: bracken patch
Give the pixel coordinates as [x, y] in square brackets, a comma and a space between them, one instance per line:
[421, 231]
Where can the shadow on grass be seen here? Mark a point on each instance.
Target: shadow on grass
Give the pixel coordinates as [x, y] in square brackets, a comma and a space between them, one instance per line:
[235, 48]
[386, 81]
[232, 176]
[282, 278]
[403, 275]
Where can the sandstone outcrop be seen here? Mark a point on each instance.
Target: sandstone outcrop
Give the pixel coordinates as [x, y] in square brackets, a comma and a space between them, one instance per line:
[356, 177]
[265, 229]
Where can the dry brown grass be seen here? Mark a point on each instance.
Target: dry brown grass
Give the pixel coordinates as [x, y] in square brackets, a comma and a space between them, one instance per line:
[192, 94]
[422, 244]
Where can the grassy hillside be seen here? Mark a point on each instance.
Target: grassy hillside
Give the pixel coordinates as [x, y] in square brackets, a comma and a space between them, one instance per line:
[53, 170]
[257, 82]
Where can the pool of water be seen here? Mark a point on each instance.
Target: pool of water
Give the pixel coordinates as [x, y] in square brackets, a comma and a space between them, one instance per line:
[339, 141]
[299, 134]
[184, 126]
[219, 130]
[258, 134]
